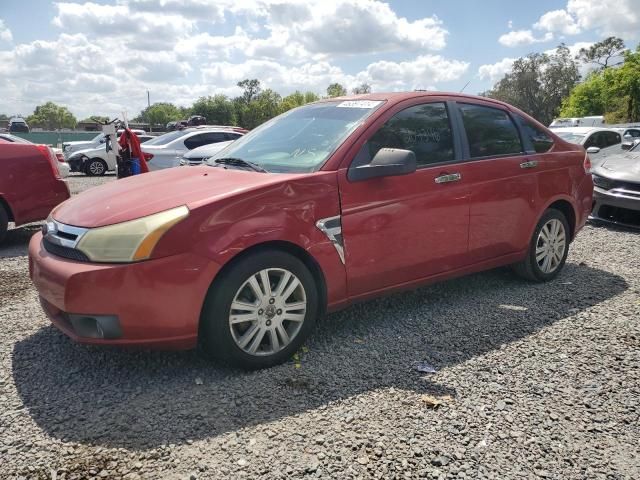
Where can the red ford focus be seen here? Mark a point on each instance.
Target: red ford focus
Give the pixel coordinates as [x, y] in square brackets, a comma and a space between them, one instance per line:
[330, 203]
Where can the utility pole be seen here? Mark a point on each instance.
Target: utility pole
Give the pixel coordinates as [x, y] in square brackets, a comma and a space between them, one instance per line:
[149, 106]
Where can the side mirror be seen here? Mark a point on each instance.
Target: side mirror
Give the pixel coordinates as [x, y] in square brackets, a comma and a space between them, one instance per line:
[593, 150]
[388, 162]
[626, 145]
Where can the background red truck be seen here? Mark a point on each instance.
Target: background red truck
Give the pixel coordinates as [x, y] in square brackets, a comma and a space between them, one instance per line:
[30, 184]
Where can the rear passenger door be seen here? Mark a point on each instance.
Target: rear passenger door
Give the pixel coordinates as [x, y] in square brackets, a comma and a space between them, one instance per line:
[502, 181]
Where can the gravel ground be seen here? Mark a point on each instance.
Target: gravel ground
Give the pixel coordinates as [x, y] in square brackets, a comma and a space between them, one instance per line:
[532, 381]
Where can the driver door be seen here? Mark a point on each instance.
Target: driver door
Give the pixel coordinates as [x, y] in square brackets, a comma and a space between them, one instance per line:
[404, 228]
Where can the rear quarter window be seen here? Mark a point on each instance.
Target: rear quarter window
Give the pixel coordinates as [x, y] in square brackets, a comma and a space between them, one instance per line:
[539, 139]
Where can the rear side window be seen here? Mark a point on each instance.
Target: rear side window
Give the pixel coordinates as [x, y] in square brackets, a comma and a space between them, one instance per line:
[539, 139]
[612, 138]
[490, 131]
[204, 139]
[423, 129]
[603, 139]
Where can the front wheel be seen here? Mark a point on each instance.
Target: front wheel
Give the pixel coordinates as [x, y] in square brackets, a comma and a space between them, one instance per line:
[548, 248]
[259, 312]
[96, 167]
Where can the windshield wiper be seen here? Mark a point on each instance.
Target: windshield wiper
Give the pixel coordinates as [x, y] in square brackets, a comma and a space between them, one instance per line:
[239, 162]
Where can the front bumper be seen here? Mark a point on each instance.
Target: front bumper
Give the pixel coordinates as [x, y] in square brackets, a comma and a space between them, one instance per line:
[617, 206]
[155, 303]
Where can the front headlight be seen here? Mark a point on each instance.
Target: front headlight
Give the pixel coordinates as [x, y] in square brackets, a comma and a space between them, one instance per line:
[130, 241]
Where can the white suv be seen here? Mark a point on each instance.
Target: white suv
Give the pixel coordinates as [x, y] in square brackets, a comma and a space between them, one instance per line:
[168, 149]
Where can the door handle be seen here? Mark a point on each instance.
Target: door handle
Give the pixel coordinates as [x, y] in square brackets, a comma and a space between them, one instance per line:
[529, 164]
[448, 177]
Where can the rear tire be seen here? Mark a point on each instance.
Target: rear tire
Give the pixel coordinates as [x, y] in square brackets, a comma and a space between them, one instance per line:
[96, 167]
[4, 223]
[246, 325]
[548, 248]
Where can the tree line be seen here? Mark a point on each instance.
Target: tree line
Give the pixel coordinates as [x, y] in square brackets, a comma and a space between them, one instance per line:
[549, 85]
[254, 106]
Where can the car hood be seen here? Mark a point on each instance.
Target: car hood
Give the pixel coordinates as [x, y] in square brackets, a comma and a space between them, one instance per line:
[207, 150]
[624, 167]
[149, 193]
[77, 143]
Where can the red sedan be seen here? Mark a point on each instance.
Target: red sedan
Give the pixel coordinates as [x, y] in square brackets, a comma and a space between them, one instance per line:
[30, 183]
[327, 204]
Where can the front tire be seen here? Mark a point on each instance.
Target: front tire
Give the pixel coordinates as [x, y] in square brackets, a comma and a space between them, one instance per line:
[548, 248]
[96, 167]
[260, 311]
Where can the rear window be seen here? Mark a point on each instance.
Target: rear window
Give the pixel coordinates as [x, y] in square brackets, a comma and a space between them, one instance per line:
[539, 139]
[490, 131]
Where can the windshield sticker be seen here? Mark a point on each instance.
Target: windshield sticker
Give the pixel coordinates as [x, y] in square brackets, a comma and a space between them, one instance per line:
[359, 104]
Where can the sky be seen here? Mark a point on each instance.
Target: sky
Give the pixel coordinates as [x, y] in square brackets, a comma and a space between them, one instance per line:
[101, 57]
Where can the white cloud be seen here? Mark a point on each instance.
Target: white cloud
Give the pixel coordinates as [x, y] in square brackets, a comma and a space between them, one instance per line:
[5, 33]
[558, 21]
[495, 71]
[607, 17]
[182, 49]
[517, 38]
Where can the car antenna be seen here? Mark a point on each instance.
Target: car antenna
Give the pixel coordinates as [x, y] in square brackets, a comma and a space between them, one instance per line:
[465, 86]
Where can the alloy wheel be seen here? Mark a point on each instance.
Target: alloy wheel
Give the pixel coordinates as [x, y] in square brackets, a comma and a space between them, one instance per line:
[96, 168]
[550, 246]
[267, 311]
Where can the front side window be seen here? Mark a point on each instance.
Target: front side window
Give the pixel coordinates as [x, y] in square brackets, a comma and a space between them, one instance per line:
[423, 129]
[490, 131]
[540, 140]
[612, 138]
[204, 139]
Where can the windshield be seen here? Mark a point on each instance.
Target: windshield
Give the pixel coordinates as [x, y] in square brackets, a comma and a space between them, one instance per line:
[166, 138]
[570, 137]
[300, 140]
[97, 138]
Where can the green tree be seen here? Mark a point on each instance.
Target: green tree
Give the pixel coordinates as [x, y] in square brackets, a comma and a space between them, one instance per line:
[362, 89]
[336, 90]
[52, 117]
[264, 106]
[602, 53]
[217, 109]
[95, 118]
[624, 83]
[159, 114]
[587, 98]
[297, 99]
[538, 83]
[251, 89]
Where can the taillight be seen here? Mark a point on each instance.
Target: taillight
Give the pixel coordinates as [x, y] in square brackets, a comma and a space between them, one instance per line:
[51, 157]
[587, 163]
[147, 156]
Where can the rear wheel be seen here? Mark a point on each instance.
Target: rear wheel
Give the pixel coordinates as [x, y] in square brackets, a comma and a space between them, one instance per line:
[4, 223]
[548, 249]
[96, 167]
[259, 312]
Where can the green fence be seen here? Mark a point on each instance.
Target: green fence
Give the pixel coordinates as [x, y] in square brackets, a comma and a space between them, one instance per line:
[55, 139]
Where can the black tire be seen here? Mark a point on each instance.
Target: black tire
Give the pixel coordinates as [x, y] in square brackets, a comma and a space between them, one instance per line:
[529, 268]
[4, 223]
[215, 331]
[95, 167]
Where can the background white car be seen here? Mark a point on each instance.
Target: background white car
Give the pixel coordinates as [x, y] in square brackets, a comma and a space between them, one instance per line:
[197, 156]
[95, 161]
[70, 148]
[168, 149]
[599, 142]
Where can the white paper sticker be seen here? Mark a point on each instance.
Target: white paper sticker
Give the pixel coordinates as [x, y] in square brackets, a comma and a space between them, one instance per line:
[359, 104]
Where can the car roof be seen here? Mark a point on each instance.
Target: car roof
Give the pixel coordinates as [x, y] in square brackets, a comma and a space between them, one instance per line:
[582, 130]
[397, 97]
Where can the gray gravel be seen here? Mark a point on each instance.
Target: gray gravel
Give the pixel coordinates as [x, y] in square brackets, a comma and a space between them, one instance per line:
[533, 381]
